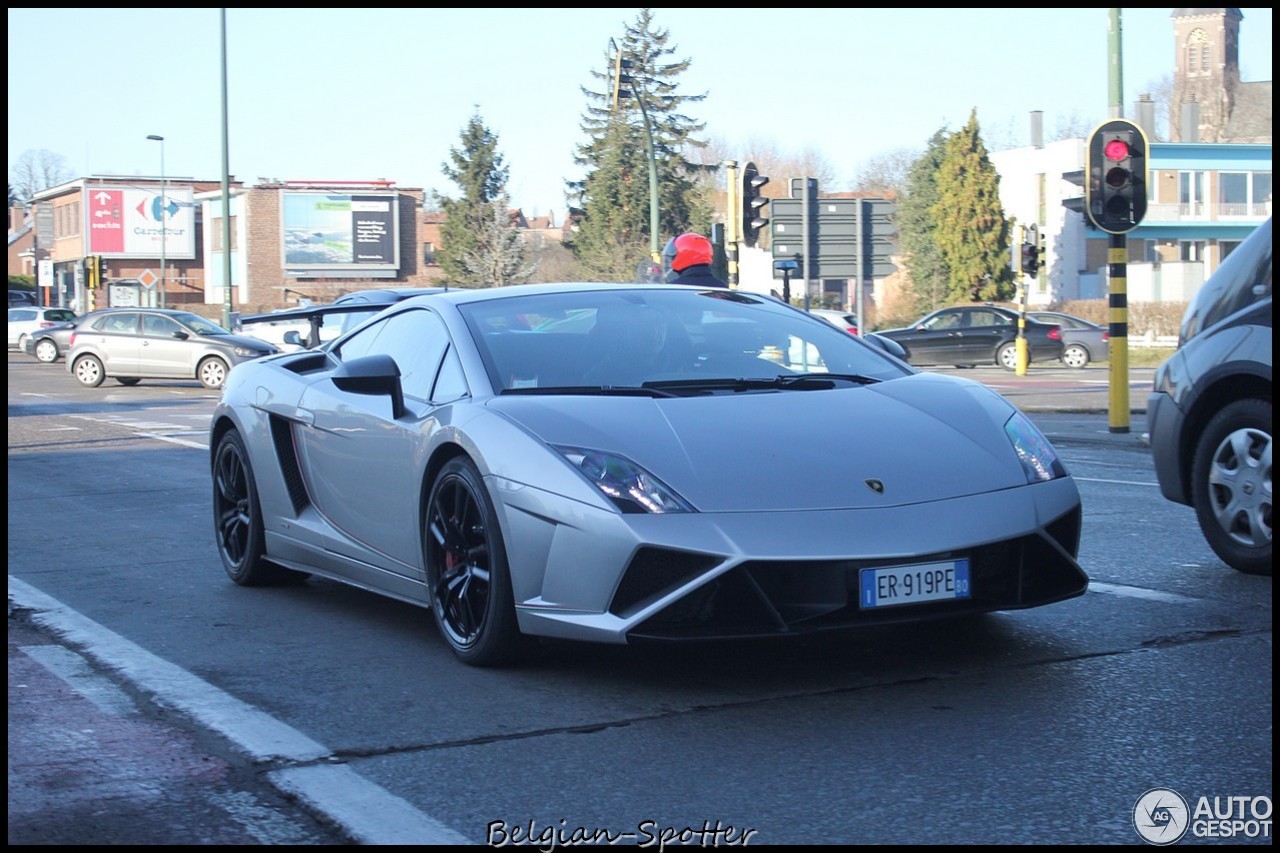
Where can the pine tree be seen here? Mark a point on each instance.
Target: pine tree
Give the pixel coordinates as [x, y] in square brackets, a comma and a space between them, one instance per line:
[917, 229]
[613, 197]
[971, 229]
[477, 168]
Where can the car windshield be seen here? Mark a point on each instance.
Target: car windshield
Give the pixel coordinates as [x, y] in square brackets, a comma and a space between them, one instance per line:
[200, 325]
[663, 338]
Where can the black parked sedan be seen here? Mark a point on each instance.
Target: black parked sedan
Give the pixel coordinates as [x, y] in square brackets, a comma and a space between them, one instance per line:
[970, 335]
[1082, 341]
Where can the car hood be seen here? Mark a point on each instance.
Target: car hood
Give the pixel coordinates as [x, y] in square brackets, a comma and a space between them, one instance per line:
[924, 437]
[247, 341]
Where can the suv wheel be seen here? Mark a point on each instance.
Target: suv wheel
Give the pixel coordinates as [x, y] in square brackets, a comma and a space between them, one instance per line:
[1231, 485]
[88, 371]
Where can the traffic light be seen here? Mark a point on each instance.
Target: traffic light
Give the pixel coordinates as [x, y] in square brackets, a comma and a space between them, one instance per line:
[753, 203]
[93, 270]
[1030, 257]
[1116, 171]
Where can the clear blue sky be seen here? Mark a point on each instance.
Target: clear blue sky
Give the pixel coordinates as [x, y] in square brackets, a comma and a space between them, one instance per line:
[355, 94]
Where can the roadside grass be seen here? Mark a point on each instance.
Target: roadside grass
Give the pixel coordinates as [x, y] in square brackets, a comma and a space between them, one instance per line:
[1147, 356]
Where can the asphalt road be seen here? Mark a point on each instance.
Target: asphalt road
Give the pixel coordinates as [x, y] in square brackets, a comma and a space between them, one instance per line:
[332, 717]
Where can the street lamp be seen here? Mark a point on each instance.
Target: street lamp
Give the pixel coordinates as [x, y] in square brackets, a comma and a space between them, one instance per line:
[164, 214]
[618, 79]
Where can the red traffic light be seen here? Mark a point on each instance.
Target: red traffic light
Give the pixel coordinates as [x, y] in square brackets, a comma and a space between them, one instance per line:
[1116, 149]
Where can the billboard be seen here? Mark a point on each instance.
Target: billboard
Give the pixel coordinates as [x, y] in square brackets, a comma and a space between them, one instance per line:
[131, 222]
[327, 233]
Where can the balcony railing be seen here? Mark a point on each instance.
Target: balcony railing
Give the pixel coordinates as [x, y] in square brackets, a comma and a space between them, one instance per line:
[1208, 211]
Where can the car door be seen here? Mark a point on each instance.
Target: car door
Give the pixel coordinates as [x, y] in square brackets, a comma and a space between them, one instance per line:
[936, 340]
[167, 348]
[351, 438]
[116, 340]
[984, 330]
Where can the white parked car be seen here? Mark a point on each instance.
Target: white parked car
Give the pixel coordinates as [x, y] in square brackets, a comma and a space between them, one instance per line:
[26, 319]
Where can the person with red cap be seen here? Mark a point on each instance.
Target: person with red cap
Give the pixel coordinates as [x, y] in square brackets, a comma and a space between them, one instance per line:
[688, 259]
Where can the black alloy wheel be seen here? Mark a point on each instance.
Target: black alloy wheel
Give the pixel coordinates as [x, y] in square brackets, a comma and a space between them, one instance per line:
[470, 585]
[237, 518]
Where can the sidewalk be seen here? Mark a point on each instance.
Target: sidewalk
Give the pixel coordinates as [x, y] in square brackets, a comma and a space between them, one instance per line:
[90, 763]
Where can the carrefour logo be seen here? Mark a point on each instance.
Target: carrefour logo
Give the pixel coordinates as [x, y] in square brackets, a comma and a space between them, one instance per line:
[158, 208]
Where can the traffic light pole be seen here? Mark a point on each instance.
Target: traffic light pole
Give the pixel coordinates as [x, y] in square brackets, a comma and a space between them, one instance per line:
[732, 221]
[1118, 345]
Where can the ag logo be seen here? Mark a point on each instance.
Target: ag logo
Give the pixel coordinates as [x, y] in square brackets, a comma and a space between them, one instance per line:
[1160, 816]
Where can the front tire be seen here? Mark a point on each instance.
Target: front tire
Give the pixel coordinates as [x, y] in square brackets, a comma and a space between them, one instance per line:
[1231, 485]
[46, 351]
[467, 572]
[212, 373]
[237, 518]
[88, 371]
[1075, 356]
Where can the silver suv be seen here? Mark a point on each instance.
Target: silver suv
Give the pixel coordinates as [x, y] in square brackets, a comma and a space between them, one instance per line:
[132, 344]
[1209, 414]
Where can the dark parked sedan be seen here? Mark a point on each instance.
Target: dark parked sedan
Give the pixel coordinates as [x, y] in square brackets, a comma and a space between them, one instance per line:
[1082, 341]
[52, 342]
[969, 335]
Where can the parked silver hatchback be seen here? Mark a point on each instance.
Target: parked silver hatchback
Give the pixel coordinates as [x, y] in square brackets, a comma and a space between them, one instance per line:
[132, 344]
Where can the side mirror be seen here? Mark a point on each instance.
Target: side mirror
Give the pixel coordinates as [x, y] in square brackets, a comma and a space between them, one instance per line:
[889, 345]
[293, 338]
[182, 336]
[372, 374]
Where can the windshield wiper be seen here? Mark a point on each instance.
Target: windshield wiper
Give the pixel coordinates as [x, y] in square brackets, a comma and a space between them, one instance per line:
[594, 390]
[789, 381]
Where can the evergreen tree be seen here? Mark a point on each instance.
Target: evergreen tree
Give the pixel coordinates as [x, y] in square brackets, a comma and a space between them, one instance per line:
[613, 197]
[972, 232]
[478, 170]
[917, 229]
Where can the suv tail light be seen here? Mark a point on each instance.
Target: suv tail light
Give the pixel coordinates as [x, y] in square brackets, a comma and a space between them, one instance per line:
[1055, 333]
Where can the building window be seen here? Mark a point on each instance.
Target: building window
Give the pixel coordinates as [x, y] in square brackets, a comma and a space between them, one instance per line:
[1191, 193]
[429, 254]
[1226, 247]
[1244, 193]
[215, 239]
[1191, 250]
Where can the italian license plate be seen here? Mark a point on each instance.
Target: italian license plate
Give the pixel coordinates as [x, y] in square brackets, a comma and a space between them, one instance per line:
[894, 585]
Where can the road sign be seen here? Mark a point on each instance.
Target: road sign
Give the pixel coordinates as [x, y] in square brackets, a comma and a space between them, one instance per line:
[148, 279]
[842, 230]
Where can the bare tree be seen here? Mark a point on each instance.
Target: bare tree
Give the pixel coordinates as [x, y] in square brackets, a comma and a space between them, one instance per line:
[1071, 126]
[38, 170]
[886, 174]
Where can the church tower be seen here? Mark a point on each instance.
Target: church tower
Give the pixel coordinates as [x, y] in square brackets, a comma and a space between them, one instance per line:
[1207, 47]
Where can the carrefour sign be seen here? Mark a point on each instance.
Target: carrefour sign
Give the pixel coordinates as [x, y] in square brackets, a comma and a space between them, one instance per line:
[136, 222]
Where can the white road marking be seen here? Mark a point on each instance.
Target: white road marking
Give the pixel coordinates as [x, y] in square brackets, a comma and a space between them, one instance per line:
[1117, 482]
[74, 670]
[1139, 592]
[366, 811]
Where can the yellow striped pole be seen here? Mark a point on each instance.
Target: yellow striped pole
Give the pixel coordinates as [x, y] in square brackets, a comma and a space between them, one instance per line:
[732, 220]
[1118, 346]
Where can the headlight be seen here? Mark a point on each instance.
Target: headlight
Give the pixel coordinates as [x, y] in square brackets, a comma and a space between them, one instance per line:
[630, 487]
[1039, 460]
[245, 352]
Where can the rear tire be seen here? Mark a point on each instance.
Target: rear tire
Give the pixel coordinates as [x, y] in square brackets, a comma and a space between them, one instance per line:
[1231, 485]
[46, 351]
[1075, 356]
[88, 371]
[1007, 356]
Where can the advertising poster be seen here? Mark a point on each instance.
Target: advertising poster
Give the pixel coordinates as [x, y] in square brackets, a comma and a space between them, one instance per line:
[323, 230]
[134, 222]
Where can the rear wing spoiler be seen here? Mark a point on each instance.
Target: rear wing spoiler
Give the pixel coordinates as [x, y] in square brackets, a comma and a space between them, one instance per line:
[315, 316]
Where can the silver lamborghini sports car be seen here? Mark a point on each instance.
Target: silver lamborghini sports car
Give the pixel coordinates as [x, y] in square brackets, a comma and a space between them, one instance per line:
[626, 462]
